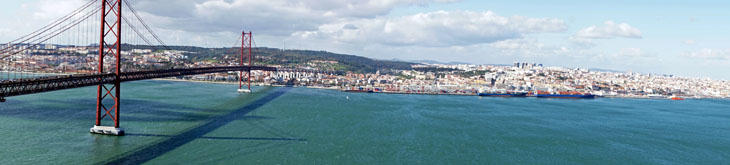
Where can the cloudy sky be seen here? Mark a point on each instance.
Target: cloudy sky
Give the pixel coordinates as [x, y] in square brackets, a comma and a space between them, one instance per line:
[687, 38]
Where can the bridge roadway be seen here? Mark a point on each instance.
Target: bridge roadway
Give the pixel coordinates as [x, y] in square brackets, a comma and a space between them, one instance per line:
[47, 84]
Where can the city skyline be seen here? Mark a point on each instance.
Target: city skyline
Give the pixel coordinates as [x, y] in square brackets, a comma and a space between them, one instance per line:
[364, 82]
[662, 37]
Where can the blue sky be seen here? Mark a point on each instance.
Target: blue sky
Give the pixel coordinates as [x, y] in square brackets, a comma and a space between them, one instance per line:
[686, 38]
[670, 30]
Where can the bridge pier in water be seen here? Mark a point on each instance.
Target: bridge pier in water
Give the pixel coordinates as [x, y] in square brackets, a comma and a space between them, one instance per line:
[246, 39]
[109, 76]
[111, 32]
[107, 130]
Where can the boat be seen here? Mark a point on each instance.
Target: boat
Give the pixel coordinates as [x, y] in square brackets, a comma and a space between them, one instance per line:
[360, 90]
[564, 95]
[499, 93]
[676, 98]
[517, 94]
[578, 96]
[656, 96]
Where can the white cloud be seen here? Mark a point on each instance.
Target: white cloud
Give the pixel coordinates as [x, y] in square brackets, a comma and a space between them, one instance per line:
[518, 44]
[192, 22]
[206, 19]
[609, 30]
[435, 29]
[32, 15]
[53, 9]
[4, 32]
[562, 50]
[632, 52]
[271, 17]
[710, 54]
[627, 55]
[582, 42]
[531, 48]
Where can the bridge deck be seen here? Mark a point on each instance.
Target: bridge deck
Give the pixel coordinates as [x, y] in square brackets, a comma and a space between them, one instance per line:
[47, 84]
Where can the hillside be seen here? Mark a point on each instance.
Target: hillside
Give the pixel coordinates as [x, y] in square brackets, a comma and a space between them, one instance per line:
[293, 58]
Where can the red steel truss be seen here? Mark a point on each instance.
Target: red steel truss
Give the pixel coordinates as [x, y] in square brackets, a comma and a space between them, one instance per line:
[111, 33]
[246, 39]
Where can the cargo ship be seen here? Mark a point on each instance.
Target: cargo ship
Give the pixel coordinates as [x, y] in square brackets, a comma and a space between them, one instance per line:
[581, 96]
[509, 94]
[359, 90]
[564, 95]
[500, 93]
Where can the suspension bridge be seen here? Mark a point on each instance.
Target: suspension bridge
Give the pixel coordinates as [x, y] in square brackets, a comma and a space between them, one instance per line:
[94, 32]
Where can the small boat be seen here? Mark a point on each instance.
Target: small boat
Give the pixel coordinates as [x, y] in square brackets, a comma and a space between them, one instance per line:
[676, 98]
[656, 96]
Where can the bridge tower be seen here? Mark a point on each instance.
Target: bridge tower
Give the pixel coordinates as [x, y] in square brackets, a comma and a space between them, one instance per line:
[246, 48]
[108, 95]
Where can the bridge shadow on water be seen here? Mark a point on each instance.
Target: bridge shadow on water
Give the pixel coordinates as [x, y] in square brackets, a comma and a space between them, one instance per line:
[174, 141]
[223, 138]
[83, 109]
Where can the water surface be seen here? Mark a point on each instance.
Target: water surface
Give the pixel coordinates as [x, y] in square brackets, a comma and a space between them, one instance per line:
[183, 123]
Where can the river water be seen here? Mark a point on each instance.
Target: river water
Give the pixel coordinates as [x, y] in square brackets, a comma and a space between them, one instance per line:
[184, 122]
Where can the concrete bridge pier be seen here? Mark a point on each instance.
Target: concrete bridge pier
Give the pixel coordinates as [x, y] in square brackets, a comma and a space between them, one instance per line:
[244, 90]
[107, 130]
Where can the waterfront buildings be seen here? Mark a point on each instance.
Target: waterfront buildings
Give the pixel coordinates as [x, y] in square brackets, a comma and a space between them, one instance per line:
[423, 78]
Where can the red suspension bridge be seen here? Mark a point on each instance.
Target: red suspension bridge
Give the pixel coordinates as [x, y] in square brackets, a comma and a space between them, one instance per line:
[77, 28]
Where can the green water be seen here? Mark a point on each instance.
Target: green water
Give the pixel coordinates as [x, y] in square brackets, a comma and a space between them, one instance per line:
[198, 123]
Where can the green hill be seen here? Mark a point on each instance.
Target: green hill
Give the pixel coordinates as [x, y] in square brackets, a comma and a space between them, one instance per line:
[291, 58]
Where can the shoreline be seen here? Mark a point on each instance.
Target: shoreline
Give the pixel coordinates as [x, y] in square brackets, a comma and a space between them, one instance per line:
[385, 92]
[406, 93]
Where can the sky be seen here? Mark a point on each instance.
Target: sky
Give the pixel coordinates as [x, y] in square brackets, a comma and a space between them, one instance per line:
[673, 37]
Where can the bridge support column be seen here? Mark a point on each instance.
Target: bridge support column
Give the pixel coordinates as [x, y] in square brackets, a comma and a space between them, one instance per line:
[109, 45]
[246, 39]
